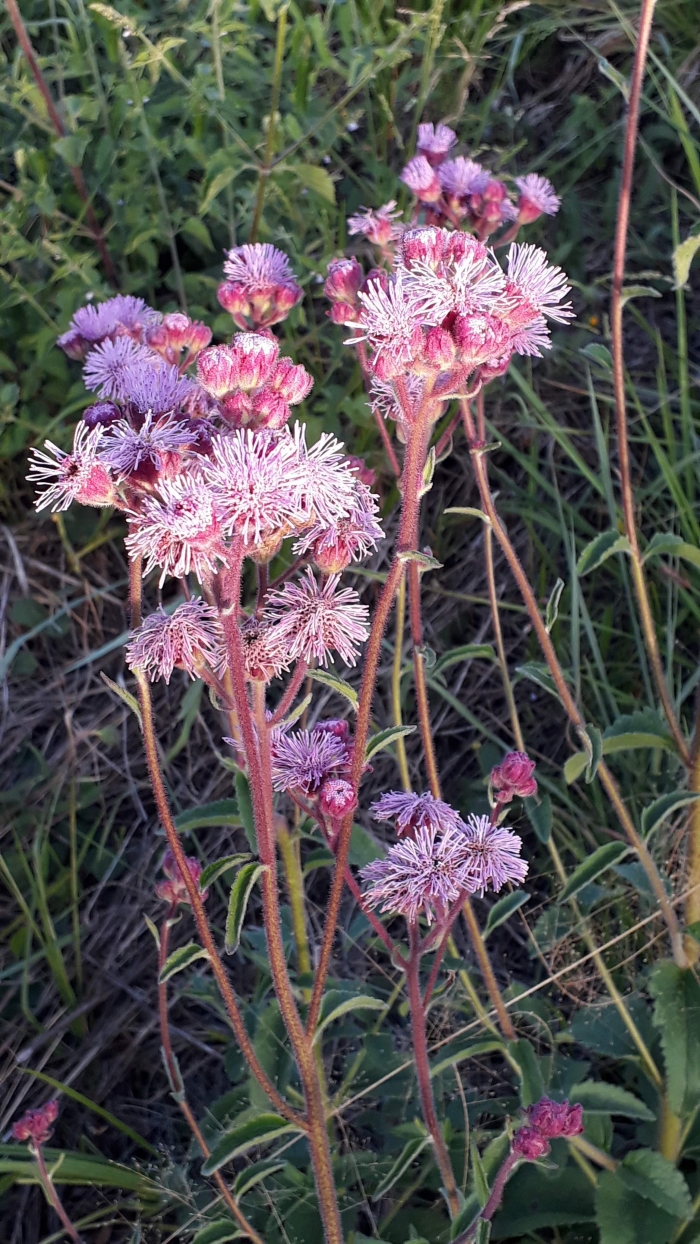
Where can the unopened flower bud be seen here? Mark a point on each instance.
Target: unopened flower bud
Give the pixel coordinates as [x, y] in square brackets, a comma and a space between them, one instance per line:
[291, 381]
[101, 414]
[270, 410]
[440, 350]
[425, 245]
[335, 726]
[345, 277]
[554, 1119]
[529, 1143]
[217, 370]
[36, 1125]
[337, 797]
[422, 179]
[174, 890]
[514, 776]
[234, 299]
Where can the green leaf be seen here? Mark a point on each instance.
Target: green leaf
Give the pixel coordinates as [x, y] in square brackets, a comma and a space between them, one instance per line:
[613, 75]
[245, 807]
[483, 1231]
[481, 1183]
[599, 354]
[216, 185]
[466, 652]
[599, 862]
[665, 542]
[332, 1010]
[600, 549]
[539, 674]
[76, 1169]
[683, 256]
[218, 1232]
[474, 1050]
[593, 743]
[627, 733]
[180, 959]
[540, 816]
[503, 909]
[298, 711]
[676, 992]
[531, 1082]
[424, 560]
[538, 1198]
[125, 696]
[220, 812]
[656, 1179]
[336, 684]
[212, 872]
[469, 511]
[239, 1139]
[72, 148]
[254, 1175]
[238, 902]
[656, 813]
[628, 292]
[317, 179]
[599, 1098]
[384, 738]
[408, 1154]
[552, 610]
[364, 847]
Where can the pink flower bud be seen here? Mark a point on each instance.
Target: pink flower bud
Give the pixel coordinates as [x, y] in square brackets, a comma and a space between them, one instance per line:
[292, 381]
[425, 245]
[440, 350]
[341, 313]
[174, 890]
[514, 776]
[217, 370]
[98, 488]
[529, 1143]
[234, 299]
[337, 797]
[345, 276]
[284, 298]
[270, 410]
[256, 355]
[422, 179]
[359, 467]
[36, 1125]
[555, 1119]
[480, 338]
[237, 408]
[335, 726]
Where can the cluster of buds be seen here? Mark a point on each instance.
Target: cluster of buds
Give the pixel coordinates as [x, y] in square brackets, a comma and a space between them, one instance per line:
[253, 386]
[513, 778]
[36, 1125]
[173, 890]
[261, 288]
[460, 190]
[546, 1120]
[313, 766]
[177, 332]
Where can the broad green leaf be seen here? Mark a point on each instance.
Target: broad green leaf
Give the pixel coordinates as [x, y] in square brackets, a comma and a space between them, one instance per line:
[125, 696]
[601, 859]
[213, 871]
[531, 1082]
[599, 354]
[552, 610]
[221, 812]
[481, 1183]
[627, 733]
[469, 1051]
[72, 148]
[237, 1140]
[539, 674]
[676, 993]
[467, 652]
[218, 1232]
[600, 549]
[628, 292]
[503, 909]
[384, 738]
[245, 807]
[656, 813]
[317, 179]
[181, 959]
[216, 185]
[540, 816]
[656, 1179]
[361, 1002]
[253, 1175]
[597, 1097]
[196, 229]
[408, 1155]
[540, 1198]
[683, 256]
[625, 1217]
[336, 684]
[665, 542]
[364, 847]
[238, 902]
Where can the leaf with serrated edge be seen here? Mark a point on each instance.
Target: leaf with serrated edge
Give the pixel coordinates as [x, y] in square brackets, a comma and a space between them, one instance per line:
[181, 958]
[239, 1139]
[384, 738]
[408, 1155]
[213, 871]
[676, 994]
[600, 549]
[238, 902]
[656, 1179]
[602, 859]
[597, 1097]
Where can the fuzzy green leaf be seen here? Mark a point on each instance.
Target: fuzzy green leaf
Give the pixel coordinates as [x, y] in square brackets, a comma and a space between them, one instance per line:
[474, 1050]
[599, 1098]
[503, 909]
[218, 1232]
[125, 696]
[360, 1002]
[683, 256]
[220, 812]
[540, 816]
[212, 872]
[316, 179]
[592, 867]
[531, 1082]
[180, 959]
[656, 813]
[408, 1155]
[237, 1140]
[384, 738]
[238, 902]
[600, 549]
[676, 993]
[254, 1175]
[336, 684]
[656, 1179]
[466, 652]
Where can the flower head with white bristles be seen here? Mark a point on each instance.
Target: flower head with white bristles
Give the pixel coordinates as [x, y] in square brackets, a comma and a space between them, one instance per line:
[491, 854]
[178, 530]
[412, 812]
[422, 874]
[303, 759]
[75, 476]
[318, 620]
[189, 638]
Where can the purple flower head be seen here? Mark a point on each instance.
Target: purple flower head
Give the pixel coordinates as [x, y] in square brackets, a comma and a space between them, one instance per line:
[537, 197]
[391, 325]
[101, 414]
[125, 449]
[532, 339]
[258, 266]
[434, 141]
[420, 177]
[491, 854]
[265, 654]
[249, 475]
[261, 288]
[156, 386]
[174, 890]
[187, 638]
[535, 287]
[414, 812]
[530, 1144]
[178, 530]
[316, 621]
[461, 178]
[303, 759]
[335, 545]
[76, 476]
[554, 1119]
[324, 487]
[109, 367]
[378, 226]
[425, 873]
[123, 315]
[466, 280]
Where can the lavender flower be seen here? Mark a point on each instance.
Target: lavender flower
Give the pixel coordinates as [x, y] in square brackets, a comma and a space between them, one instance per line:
[265, 653]
[460, 178]
[318, 620]
[75, 476]
[420, 177]
[125, 449]
[302, 759]
[379, 227]
[334, 546]
[178, 530]
[156, 386]
[323, 485]
[536, 286]
[537, 197]
[391, 325]
[188, 638]
[434, 141]
[491, 854]
[258, 267]
[249, 475]
[110, 366]
[426, 873]
[467, 279]
[414, 812]
[119, 316]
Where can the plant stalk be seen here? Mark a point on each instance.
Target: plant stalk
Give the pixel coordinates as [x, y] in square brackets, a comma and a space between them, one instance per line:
[264, 170]
[51, 1194]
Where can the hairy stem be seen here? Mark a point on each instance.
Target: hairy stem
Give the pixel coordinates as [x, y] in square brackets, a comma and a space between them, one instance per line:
[289, 851]
[52, 1196]
[179, 1088]
[498, 634]
[422, 702]
[396, 684]
[487, 1213]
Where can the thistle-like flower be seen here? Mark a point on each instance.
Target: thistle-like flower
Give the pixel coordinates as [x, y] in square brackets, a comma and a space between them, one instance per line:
[76, 476]
[379, 227]
[322, 482]
[174, 890]
[303, 759]
[155, 386]
[123, 315]
[261, 288]
[249, 477]
[36, 1125]
[111, 366]
[316, 621]
[534, 287]
[178, 530]
[434, 141]
[420, 177]
[125, 448]
[391, 325]
[464, 279]
[412, 812]
[188, 638]
[265, 653]
[334, 546]
[491, 854]
[537, 197]
[460, 179]
[426, 873]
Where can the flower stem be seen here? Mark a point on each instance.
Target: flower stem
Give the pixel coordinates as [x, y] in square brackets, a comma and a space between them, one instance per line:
[504, 1021]
[567, 700]
[420, 1054]
[396, 684]
[289, 851]
[487, 1213]
[498, 633]
[422, 702]
[179, 1088]
[51, 1194]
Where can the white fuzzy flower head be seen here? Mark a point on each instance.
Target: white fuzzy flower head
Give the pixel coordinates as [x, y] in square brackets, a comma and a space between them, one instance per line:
[188, 638]
[390, 324]
[421, 874]
[491, 854]
[316, 621]
[76, 476]
[249, 476]
[178, 530]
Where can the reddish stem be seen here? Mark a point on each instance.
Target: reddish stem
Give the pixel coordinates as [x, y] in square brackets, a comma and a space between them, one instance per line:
[51, 1194]
[291, 692]
[487, 1213]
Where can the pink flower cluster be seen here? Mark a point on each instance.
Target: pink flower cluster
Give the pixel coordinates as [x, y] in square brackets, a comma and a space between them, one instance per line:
[173, 890]
[315, 764]
[547, 1120]
[514, 777]
[261, 288]
[36, 1125]
[438, 858]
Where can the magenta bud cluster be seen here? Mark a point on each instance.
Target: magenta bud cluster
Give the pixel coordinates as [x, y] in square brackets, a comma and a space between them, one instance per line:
[546, 1120]
[36, 1125]
[513, 777]
[260, 289]
[173, 889]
